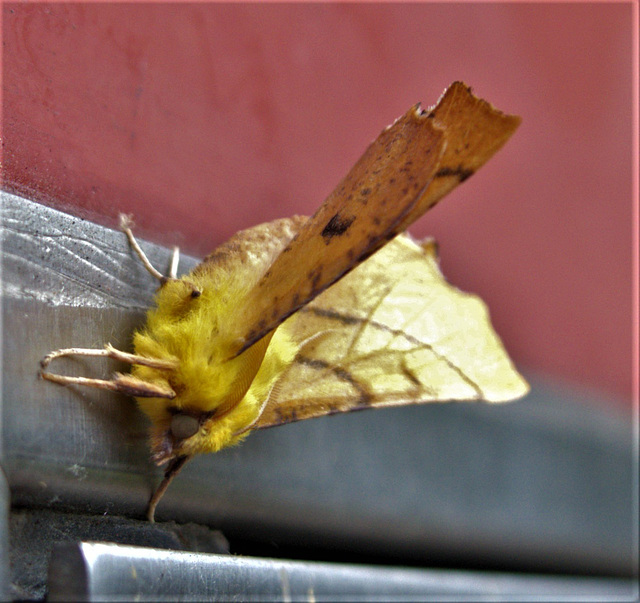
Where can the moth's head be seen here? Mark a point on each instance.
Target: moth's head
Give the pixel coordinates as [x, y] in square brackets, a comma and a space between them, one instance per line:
[188, 430]
[184, 432]
[210, 404]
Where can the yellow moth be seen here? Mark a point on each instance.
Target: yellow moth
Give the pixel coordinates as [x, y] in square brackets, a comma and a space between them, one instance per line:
[305, 317]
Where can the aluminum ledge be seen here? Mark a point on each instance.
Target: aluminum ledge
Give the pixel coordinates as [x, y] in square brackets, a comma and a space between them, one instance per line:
[548, 483]
[92, 571]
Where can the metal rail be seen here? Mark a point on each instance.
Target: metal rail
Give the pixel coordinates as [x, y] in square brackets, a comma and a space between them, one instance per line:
[105, 572]
[545, 484]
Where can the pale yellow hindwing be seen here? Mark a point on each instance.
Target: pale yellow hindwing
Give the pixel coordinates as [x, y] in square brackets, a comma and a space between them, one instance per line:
[392, 332]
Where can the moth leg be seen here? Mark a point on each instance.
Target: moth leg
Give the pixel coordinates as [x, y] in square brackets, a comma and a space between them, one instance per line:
[172, 470]
[126, 384]
[111, 352]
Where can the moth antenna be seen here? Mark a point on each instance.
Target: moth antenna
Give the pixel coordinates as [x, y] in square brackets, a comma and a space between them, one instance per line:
[126, 223]
[175, 259]
[174, 468]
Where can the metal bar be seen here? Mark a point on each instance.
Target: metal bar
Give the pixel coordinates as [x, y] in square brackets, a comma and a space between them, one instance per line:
[542, 484]
[4, 538]
[35, 533]
[89, 571]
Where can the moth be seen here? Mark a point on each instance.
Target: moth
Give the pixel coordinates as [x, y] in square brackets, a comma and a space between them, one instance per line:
[306, 317]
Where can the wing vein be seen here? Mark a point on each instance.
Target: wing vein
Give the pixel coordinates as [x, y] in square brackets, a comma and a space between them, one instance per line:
[349, 319]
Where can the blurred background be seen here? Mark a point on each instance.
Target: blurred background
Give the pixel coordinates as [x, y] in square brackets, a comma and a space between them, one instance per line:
[202, 119]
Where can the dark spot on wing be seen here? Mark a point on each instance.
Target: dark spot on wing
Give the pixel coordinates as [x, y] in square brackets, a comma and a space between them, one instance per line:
[314, 277]
[336, 226]
[459, 172]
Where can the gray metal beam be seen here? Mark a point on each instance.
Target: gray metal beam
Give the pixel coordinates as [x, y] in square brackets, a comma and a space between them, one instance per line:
[4, 538]
[543, 484]
[105, 572]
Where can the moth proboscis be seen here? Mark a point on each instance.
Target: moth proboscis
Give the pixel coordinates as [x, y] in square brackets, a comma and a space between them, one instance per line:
[305, 317]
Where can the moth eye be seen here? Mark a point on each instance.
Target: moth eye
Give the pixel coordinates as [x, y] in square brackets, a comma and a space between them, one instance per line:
[184, 426]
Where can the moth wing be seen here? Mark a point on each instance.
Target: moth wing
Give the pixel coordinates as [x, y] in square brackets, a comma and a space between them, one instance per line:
[474, 131]
[392, 332]
[253, 249]
[404, 172]
[360, 215]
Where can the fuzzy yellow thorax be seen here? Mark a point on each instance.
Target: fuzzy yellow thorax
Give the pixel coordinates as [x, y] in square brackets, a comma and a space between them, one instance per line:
[223, 392]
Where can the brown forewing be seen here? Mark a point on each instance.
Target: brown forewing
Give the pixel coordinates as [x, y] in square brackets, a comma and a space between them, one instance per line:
[356, 219]
[474, 131]
[404, 172]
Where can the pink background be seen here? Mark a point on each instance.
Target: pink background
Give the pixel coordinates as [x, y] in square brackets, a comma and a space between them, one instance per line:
[202, 119]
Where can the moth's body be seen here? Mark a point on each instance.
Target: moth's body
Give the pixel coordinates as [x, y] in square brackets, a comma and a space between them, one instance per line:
[225, 393]
[301, 318]
[362, 343]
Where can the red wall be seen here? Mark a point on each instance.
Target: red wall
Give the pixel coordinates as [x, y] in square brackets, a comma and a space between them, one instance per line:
[202, 119]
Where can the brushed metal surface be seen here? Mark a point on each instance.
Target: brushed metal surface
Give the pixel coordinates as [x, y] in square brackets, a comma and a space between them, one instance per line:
[545, 483]
[104, 572]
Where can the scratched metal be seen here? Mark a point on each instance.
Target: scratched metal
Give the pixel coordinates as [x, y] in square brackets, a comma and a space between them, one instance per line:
[104, 572]
[68, 282]
[545, 483]
[4, 538]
